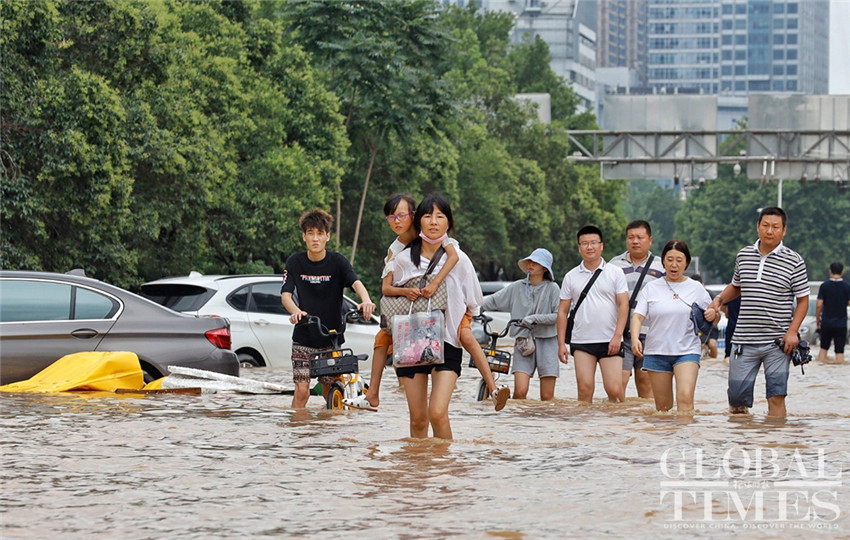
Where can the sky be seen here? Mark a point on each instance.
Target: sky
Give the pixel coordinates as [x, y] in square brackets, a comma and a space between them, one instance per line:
[839, 47]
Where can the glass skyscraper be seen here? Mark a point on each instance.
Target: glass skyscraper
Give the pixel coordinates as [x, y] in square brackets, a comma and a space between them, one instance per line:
[737, 47]
[621, 35]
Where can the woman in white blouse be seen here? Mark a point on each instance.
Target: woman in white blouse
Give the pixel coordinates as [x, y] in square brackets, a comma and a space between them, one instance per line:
[672, 347]
[434, 221]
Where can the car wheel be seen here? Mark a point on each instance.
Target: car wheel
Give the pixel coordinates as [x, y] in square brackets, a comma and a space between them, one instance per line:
[248, 360]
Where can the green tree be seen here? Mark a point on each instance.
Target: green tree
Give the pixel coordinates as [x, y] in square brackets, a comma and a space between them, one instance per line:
[145, 139]
[657, 204]
[530, 65]
[66, 182]
[577, 195]
[720, 218]
[384, 60]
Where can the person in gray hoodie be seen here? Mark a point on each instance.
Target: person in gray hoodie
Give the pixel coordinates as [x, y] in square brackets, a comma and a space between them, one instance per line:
[533, 299]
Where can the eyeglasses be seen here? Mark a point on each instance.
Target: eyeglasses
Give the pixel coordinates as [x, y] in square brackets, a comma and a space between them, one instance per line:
[593, 243]
[397, 217]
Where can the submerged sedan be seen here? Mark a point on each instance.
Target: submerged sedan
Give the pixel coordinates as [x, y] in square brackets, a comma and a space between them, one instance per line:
[45, 316]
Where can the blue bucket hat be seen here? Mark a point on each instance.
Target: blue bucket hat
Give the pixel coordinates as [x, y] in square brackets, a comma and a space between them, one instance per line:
[540, 256]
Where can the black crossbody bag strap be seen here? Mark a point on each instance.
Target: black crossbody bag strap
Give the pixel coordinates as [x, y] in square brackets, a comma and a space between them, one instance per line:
[571, 318]
[434, 260]
[586, 289]
[633, 299]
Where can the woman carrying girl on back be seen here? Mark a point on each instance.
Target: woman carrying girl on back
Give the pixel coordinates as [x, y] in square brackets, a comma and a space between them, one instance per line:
[433, 220]
[400, 214]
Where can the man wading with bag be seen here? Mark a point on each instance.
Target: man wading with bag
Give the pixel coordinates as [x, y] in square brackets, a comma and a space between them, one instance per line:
[768, 277]
[534, 300]
[640, 267]
[601, 297]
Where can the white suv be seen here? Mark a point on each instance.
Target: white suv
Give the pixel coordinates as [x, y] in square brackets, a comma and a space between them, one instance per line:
[261, 333]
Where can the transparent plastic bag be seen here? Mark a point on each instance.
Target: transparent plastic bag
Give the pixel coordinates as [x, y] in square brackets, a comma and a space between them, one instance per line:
[418, 338]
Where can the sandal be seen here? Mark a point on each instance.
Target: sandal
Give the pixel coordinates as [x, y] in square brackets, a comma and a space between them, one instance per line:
[500, 397]
[359, 402]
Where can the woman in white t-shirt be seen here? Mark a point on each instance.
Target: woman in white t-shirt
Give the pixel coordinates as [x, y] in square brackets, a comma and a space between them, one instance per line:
[433, 221]
[672, 347]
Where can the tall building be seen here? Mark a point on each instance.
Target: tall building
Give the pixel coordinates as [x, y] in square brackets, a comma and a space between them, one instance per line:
[737, 47]
[567, 27]
[621, 33]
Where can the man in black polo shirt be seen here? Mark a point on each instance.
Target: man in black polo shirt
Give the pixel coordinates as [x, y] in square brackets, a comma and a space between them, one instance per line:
[831, 313]
[768, 277]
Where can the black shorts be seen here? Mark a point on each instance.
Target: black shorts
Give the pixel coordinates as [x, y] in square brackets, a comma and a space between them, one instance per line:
[599, 350]
[838, 335]
[452, 359]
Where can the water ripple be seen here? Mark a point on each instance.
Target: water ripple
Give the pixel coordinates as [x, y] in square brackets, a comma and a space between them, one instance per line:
[236, 466]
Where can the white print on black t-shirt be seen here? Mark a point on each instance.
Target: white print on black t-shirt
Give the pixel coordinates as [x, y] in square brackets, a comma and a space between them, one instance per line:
[315, 279]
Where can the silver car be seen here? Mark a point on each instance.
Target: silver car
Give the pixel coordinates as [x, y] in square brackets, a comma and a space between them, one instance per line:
[45, 316]
[809, 326]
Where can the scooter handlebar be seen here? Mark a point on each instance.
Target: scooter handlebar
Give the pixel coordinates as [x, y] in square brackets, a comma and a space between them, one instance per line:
[485, 322]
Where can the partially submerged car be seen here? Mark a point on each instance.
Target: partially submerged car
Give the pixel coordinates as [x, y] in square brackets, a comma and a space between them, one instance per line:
[260, 326]
[45, 316]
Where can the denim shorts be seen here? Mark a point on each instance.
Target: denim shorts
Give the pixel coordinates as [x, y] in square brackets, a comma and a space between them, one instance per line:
[664, 363]
[744, 367]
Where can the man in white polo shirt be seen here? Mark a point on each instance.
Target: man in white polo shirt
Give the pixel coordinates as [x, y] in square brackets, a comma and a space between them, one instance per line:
[599, 320]
[768, 277]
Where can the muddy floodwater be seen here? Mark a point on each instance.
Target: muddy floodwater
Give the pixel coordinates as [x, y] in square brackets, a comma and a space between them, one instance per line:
[247, 466]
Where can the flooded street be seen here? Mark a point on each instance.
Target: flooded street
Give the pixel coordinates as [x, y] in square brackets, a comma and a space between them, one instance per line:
[239, 466]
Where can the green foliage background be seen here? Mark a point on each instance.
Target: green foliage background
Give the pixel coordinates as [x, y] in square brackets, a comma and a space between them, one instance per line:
[141, 139]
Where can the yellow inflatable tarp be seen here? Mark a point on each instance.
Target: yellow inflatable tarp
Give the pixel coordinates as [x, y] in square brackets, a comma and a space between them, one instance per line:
[154, 385]
[103, 371]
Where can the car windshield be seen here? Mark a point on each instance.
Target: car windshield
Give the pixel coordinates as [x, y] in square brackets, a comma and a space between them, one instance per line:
[179, 297]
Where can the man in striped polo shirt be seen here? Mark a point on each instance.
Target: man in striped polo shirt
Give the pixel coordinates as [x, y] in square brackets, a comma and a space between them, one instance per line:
[768, 277]
[633, 262]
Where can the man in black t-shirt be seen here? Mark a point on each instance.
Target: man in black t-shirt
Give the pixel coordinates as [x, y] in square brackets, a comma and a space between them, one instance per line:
[319, 278]
[831, 313]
